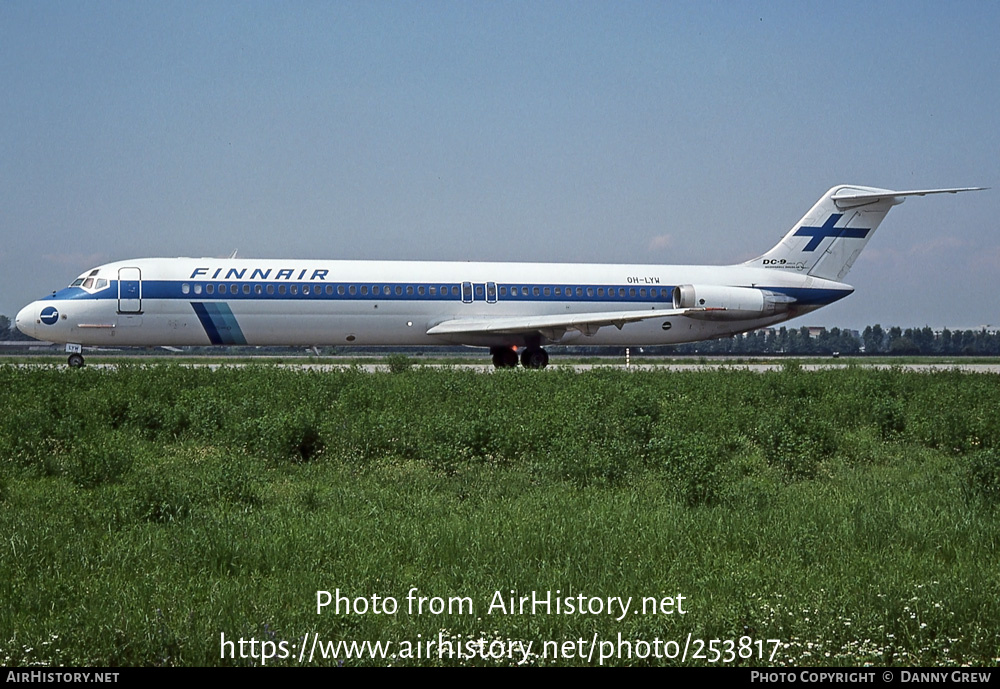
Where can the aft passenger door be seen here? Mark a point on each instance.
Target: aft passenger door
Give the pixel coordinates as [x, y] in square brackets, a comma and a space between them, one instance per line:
[129, 290]
[478, 291]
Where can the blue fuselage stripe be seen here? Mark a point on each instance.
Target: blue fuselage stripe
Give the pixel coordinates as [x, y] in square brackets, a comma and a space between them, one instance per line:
[235, 292]
[219, 323]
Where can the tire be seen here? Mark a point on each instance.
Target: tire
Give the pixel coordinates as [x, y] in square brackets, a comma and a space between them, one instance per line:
[534, 358]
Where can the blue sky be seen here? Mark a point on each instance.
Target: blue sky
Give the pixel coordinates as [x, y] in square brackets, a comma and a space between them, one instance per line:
[600, 132]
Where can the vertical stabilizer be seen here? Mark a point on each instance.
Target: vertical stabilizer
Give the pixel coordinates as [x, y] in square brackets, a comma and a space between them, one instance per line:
[827, 240]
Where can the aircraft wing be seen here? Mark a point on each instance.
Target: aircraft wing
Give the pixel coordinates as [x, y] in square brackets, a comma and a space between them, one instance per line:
[552, 326]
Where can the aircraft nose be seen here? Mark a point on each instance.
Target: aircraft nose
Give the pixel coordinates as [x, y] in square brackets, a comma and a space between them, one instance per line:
[27, 319]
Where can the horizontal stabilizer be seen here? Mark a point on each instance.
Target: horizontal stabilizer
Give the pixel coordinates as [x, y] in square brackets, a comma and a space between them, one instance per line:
[848, 198]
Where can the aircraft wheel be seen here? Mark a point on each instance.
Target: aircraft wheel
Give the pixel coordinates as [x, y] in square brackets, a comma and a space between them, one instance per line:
[75, 361]
[510, 358]
[534, 358]
[504, 357]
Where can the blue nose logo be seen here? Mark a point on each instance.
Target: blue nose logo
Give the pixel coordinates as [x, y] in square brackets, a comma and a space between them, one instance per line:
[49, 315]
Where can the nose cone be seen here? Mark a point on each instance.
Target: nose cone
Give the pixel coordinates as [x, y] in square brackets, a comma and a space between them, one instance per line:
[27, 319]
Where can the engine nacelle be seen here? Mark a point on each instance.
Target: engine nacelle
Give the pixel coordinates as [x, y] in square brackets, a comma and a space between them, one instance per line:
[730, 303]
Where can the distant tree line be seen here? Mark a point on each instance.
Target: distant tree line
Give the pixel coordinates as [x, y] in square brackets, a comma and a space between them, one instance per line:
[873, 341]
[7, 332]
[924, 341]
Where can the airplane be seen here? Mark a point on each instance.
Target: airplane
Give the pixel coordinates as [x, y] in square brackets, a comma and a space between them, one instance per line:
[504, 306]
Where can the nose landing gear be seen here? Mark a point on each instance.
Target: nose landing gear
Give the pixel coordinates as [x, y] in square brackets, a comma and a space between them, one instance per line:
[75, 359]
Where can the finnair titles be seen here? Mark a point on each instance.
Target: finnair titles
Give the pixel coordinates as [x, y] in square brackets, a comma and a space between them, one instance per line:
[261, 274]
[514, 309]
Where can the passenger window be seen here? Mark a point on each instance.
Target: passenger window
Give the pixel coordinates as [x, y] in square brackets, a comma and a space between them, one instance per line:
[210, 288]
[185, 288]
[197, 288]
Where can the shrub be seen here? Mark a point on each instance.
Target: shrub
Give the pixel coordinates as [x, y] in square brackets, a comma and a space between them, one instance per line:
[103, 459]
[398, 363]
[163, 498]
[982, 475]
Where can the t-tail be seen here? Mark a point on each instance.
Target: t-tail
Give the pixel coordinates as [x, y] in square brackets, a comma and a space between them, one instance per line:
[828, 239]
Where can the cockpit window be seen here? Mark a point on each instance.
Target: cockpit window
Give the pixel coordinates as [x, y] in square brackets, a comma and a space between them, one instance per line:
[90, 282]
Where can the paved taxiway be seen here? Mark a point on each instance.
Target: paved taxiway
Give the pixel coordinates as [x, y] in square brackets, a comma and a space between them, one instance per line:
[485, 367]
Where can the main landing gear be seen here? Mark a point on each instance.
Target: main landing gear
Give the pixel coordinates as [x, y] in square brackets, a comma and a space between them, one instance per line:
[504, 357]
[534, 357]
[531, 357]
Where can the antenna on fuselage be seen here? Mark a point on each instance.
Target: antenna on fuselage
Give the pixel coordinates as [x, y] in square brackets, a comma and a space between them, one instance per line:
[234, 253]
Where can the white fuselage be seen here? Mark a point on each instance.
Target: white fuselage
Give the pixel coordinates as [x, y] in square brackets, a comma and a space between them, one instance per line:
[191, 301]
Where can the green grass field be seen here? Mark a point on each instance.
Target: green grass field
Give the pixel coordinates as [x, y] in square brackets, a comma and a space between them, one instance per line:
[851, 515]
